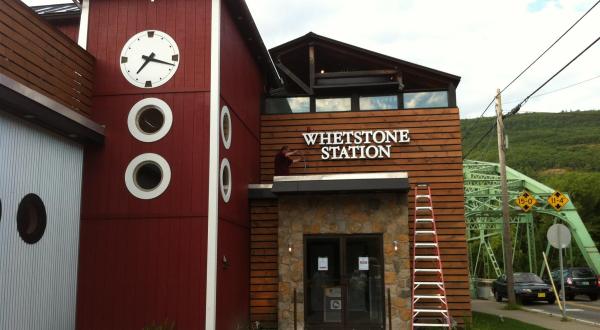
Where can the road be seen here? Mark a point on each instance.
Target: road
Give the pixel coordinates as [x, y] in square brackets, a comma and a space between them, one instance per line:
[581, 308]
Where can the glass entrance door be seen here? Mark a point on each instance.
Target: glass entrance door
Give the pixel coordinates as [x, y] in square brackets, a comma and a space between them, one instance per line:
[343, 277]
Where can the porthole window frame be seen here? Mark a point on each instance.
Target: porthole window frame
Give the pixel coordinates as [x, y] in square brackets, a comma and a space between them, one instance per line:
[35, 201]
[226, 140]
[131, 171]
[225, 166]
[139, 108]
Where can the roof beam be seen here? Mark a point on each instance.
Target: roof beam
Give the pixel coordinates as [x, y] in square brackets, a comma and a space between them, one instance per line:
[295, 79]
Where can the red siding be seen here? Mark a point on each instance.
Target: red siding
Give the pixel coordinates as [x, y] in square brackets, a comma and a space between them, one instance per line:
[139, 271]
[112, 23]
[241, 88]
[68, 27]
[144, 261]
[185, 148]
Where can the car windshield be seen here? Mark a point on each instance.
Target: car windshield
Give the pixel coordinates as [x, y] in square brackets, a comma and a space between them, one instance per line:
[582, 272]
[527, 278]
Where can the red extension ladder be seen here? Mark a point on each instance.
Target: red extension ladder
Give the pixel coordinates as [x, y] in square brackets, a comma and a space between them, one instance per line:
[429, 302]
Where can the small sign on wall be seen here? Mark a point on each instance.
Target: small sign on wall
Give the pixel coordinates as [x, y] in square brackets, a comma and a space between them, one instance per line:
[323, 263]
[363, 263]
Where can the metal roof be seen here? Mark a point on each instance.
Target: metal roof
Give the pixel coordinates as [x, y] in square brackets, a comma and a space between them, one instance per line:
[58, 11]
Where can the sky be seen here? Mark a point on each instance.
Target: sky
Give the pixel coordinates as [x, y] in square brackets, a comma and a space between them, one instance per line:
[486, 42]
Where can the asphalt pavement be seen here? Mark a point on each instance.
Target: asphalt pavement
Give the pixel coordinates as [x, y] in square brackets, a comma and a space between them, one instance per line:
[583, 314]
[581, 308]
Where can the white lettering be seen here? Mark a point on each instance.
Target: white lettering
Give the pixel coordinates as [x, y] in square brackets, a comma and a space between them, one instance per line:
[324, 153]
[381, 136]
[310, 138]
[372, 152]
[385, 150]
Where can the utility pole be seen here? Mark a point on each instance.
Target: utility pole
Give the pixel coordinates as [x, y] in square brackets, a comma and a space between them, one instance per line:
[506, 237]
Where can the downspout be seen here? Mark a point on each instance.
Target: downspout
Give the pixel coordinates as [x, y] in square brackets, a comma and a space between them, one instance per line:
[84, 5]
[213, 167]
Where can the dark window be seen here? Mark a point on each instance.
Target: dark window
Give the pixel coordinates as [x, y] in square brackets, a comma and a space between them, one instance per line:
[150, 120]
[333, 104]
[31, 218]
[527, 278]
[583, 272]
[287, 105]
[148, 175]
[415, 100]
[378, 102]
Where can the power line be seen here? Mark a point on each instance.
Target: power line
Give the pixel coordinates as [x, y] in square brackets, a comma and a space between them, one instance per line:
[527, 68]
[557, 90]
[518, 107]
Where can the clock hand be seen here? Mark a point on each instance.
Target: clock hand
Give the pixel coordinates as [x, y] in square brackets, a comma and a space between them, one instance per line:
[148, 59]
[156, 60]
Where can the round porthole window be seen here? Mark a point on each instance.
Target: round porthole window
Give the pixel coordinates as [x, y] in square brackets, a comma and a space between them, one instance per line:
[147, 176]
[226, 127]
[226, 180]
[150, 119]
[31, 219]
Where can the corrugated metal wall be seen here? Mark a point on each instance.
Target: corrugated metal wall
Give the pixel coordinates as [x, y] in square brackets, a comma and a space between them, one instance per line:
[38, 282]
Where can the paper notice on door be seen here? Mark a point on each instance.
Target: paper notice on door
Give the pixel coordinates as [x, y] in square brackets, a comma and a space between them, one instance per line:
[323, 263]
[363, 263]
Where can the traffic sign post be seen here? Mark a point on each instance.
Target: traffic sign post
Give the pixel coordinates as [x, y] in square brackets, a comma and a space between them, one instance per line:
[559, 237]
[526, 201]
[557, 200]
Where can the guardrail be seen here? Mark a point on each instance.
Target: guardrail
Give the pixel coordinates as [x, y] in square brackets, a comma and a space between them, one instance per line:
[41, 57]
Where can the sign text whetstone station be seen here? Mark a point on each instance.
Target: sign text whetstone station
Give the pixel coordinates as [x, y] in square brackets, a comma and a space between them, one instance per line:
[356, 144]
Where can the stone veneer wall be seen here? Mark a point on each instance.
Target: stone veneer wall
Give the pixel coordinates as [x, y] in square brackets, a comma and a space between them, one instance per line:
[357, 213]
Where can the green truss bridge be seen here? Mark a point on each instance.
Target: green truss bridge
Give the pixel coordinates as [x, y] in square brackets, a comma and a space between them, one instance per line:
[483, 216]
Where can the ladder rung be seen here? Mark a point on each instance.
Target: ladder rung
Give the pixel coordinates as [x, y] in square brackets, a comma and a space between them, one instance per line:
[430, 310]
[427, 257]
[425, 244]
[423, 196]
[424, 220]
[441, 325]
[435, 296]
[428, 270]
[428, 283]
[419, 208]
[424, 232]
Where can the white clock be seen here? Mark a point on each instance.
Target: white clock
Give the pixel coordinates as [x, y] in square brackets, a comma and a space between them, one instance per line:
[149, 59]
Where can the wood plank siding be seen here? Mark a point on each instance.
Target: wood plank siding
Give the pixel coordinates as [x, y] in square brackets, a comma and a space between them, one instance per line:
[433, 156]
[263, 263]
[38, 55]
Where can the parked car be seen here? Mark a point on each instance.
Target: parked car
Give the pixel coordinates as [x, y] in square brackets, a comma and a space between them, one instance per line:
[527, 286]
[578, 281]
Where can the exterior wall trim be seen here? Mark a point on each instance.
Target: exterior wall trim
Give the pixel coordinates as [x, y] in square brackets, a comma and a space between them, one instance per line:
[55, 113]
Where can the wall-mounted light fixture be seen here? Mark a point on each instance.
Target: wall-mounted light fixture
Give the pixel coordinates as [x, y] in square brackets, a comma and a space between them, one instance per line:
[290, 247]
[395, 245]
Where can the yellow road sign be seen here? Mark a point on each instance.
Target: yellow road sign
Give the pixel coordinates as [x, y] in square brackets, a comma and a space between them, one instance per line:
[558, 200]
[526, 201]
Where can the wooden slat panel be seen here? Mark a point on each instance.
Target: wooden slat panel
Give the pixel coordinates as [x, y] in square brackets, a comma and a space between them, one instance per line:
[433, 156]
[42, 58]
[263, 263]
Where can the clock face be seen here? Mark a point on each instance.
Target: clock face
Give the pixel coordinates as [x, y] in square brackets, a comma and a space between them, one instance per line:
[149, 59]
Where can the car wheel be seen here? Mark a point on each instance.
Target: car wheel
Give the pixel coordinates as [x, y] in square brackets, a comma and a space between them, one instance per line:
[593, 297]
[552, 300]
[498, 296]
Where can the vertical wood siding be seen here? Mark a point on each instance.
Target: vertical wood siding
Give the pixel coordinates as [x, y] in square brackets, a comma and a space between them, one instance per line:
[38, 281]
[144, 261]
[433, 156]
[241, 88]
